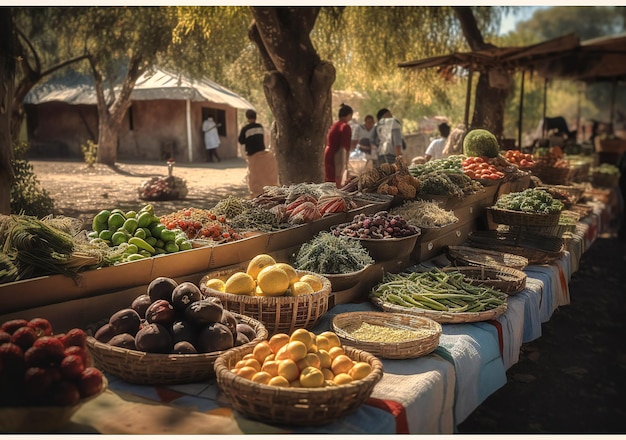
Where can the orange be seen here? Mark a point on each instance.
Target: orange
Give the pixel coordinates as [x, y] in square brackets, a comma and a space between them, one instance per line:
[279, 381]
[261, 377]
[288, 369]
[328, 373]
[322, 343]
[341, 364]
[360, 370]
[304, 336]
[332, 337]
[296, 350]
[342, 378]
[336, 351]
[311, 377]
[261, 351]
[325, 359]
[277, 341]
[246, 372]
[252, 363]
[270, 367]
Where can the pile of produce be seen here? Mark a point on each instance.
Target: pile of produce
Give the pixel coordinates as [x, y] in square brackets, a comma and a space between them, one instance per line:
[480, 142]
[393, 179]
[301, 360]
[163, 188]
[327, 253]
[40, 368]
[481, 168]
[520, 159]
[451, 163]
[606, 175]
[437, 290]
[424, 214]
[264, 277]
[33, 247]
[302, 203]
[442, 183]
[137, 234]
[530, 200]
[199, 223]
[381, 225]
[551, 157]
[174, 318]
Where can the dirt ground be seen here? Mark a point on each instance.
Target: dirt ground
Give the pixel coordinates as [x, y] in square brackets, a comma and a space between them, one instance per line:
[572, 380]
[81, 192]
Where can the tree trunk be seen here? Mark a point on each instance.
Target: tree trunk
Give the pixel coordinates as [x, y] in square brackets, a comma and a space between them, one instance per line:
[297, 87]
[110, 116]
[489, 102]
[7, 73]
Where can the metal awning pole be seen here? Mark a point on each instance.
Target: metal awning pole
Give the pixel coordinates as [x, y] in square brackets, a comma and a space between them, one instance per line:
[468, 98]
[613, 93]
[545, 103]
[578, 130]
[521, 112]
[188, 117]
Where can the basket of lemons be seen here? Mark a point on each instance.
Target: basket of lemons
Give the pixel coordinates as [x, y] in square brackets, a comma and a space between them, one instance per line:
[272, 292]
[298, 379]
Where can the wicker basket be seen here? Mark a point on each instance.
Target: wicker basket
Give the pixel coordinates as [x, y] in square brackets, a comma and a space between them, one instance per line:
[295, 406]
[443, 317]
[41, 419]
[162, 369]
[345, 324]
[552, 175]
[604, 180]
[520, 218]
[470, 256]
[504, 279]
[279, 314]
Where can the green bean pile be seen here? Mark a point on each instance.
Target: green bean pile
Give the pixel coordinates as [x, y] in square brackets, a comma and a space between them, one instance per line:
[437, 290]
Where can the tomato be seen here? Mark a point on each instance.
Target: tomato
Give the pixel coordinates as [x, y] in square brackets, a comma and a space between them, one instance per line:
[470, 160]
[528, 157]
[470, 174]
[523, 163]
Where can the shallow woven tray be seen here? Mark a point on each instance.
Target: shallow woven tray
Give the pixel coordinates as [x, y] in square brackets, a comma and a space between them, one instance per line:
[520, 218]
[471, 256]
[279, 314]
[161, 369]
[344, 324]
[504, 279]
[295, 406]
[443, 317]
[41, 419]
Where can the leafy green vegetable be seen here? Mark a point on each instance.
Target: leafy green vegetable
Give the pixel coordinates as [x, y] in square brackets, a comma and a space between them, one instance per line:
[481, 142]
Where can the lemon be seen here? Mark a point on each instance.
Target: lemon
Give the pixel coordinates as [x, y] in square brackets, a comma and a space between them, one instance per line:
[301, 288]
[216, 284]
[293, 275]
[239, 283]
[273, 281]
[258, 263]
[313, 280]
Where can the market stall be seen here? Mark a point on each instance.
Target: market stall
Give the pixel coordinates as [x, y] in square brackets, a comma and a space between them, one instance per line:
[431, 392]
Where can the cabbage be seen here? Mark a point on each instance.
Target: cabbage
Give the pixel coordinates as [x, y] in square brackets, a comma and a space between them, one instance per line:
[480, 142]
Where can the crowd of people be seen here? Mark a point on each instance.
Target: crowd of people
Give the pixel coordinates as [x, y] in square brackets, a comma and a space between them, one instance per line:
[379, 141]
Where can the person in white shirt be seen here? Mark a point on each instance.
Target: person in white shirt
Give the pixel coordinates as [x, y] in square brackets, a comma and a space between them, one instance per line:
[211, 139]
[362, 137]
[388, 137]
[435, 149]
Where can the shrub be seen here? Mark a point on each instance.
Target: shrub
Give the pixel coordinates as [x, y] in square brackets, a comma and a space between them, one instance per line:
[27, 195]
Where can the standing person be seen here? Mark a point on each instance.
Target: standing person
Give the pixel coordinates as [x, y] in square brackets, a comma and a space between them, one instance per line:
[337, 150]
[454, 143]
[362, 139]
[435, 149]
[262, 166]
[388, 137]
[211, 139]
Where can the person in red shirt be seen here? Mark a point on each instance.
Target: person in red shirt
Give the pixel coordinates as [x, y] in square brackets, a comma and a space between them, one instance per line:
[337, 151]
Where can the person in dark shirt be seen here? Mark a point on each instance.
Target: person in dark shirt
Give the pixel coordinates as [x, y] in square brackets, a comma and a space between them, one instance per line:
[262, 166]
[252, 134]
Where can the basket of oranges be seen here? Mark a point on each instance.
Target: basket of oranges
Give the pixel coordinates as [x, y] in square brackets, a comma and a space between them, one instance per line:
[274, 293]
[298, 379]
